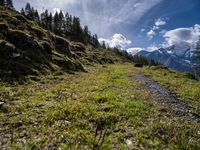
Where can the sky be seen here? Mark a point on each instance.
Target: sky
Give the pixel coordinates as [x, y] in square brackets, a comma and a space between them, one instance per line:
[133, 25]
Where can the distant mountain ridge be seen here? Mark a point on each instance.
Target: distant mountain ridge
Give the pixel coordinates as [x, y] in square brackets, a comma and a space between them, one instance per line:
[178, 57]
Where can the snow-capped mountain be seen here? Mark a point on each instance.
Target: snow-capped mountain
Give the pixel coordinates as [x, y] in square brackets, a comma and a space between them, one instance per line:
[178, 57]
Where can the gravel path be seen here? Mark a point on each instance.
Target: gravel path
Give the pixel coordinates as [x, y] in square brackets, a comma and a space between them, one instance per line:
[166, 98]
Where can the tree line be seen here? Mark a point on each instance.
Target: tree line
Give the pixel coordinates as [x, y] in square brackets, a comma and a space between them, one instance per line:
[69, 26]
[144, 61]
[7, 3]
[61, 24]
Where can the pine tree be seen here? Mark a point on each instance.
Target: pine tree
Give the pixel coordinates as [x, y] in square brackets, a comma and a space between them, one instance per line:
[27, 8]
[2, 2]
[49, 22]
[64, 25]
[9, 3]
[67, 23]
[36, 16]
[70, 24]
[44, 19]
[61, 22]
[23, 12]
[56, 23]
[76, 27]
[86, 34]
[28, 11]
[104, 45]
[85, 30]
[95, 40]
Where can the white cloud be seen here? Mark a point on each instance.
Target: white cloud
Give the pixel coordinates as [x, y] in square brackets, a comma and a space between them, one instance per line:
[56, 10]
[182, 35]
[134, 50]
[118, 40]
[152, 48]
[160, 22]
[163, 32]
[157, 24]
[142, 30]
[103, 17]
[137, 5]
[155, 28]
[151, 33]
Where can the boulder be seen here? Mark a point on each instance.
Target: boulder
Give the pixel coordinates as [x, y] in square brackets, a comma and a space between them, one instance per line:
[138, 65]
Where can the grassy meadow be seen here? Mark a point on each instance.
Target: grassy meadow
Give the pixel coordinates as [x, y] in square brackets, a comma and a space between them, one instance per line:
[105, 108]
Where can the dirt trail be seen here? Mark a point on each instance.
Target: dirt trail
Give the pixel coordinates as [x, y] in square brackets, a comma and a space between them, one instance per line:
[166, 98]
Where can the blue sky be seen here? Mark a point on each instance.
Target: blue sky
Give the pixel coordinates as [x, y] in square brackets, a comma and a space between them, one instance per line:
[132, 24]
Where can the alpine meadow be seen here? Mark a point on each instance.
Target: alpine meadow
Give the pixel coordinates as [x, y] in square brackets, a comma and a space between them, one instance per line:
[99, 75]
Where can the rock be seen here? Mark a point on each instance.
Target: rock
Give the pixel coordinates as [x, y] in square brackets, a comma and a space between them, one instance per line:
[129, 142]
[138, 65]
[19, 123]
[67, 122]
[1, 104]
[15, 55]
[39, 105]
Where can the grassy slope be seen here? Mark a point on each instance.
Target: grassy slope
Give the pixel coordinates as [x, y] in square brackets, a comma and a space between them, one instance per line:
[40, 51]
[181, 84]
[105, 108]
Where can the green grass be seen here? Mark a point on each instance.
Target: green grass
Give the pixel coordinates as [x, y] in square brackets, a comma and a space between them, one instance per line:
[181, 84]
[41, 51]
[105, 108]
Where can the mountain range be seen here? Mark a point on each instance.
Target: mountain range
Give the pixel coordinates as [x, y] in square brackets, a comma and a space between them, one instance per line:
[178, 57]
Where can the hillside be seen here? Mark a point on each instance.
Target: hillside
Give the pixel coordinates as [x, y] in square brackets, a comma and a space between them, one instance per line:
[57, 93]
[27, 49]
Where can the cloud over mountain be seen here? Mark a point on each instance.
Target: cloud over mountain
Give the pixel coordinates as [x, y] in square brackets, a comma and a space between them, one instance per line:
[117, 40]
[134, 50]
[182, 35]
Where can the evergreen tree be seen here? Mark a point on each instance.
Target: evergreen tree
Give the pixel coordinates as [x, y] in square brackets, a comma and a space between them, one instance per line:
[86, 34]
[28, 11]
[49, 22]
[2, 2]
[9, 3]
[56, 23]
[36, 16]
[76, 27]
[70, 24]
[61, 23]
[64, 25]
[27, 8]
[31, 15]
[104, 45]
[23, 12]
[86, 30]
[95, 40]
[44, 19]
[67, 23]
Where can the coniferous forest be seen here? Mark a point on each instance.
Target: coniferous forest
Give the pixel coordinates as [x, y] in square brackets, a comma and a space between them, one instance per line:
[61, 24]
